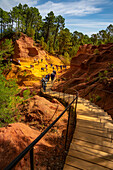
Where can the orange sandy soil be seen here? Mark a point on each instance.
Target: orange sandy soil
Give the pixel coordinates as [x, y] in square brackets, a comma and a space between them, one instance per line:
[38, 114]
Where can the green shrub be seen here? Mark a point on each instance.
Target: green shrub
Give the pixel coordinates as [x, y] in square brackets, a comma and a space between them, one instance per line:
[8, 89]
[98, 98]
[8, 100]
[96, 51]
[26, 94]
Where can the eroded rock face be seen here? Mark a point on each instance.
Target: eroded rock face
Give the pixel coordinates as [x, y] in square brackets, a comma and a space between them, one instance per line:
[25, 50]
[13, 140]
[42, 111]
[38, 113]
[91, 68]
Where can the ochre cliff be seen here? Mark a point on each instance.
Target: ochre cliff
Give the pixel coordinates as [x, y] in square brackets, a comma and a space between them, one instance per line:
[25, 49]
[91, 73]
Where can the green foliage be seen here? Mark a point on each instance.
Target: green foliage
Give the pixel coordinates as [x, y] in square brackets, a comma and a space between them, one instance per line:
[8, 100]
[6, 48]
[64, 41]
[30, 32]
[26, 94]
[98, 98]
[96, 51]
[88, 79]
[50, 31]
[8, 89]
[94, 98]
[103, 77]
[73, 51]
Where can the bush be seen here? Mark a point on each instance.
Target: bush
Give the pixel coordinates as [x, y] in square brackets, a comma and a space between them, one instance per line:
[8, 89]
[8, 100]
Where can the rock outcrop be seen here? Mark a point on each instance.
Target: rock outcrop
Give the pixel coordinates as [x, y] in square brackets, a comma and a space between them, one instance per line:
[91, 69]
[37, 113]
[40, 111]
[13, 140]
[24, 49]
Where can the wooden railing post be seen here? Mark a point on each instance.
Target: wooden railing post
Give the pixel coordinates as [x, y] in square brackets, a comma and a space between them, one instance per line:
[32, 159]
[67, 127]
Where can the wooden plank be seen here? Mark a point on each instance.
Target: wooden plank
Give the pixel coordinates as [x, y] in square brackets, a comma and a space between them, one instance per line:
[69, 167]
[95, 125]
[90, 158]
[97, 132]
[91, 151]
[79, 163]
[93, 139]
[92, 145]
[92, 113]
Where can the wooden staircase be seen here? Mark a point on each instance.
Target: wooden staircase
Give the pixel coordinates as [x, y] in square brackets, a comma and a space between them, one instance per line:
[91, 147]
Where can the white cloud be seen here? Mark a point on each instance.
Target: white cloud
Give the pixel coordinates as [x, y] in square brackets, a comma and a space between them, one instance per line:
[77, 8]
[90, 24]
[8, 4]
[86, 26]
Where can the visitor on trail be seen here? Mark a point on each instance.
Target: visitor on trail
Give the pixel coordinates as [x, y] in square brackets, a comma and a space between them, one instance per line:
[41, 60]
[32, 66]
[57, 67]
[54, 71]
[44, 84]
[61, 67]
[46, 67]
[19, 61]
[52, 77]
[11, 59]
[65, 67]
[51, 65]
[48, 77]
[34, 60]
[42, 69]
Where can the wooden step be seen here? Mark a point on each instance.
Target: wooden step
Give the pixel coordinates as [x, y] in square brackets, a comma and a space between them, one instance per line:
[83, 164]
[89, 123]
[92, 145]
[90, 158]
[93, 139]
[69, 167]
[93, 131]
[90, 150]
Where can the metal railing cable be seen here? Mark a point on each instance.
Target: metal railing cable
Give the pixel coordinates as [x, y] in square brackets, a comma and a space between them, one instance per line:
[30, 147]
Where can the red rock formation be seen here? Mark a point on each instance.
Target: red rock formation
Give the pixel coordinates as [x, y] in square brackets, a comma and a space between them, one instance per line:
[83, 74]
[25, 50]
[13, 140]
[38, 113]
[42, 110]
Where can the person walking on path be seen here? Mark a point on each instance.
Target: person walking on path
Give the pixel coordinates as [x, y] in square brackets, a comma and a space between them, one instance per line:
[46, 67]
[61, 67]
[52, 77]
[47, 77]
[44, 84]
[57, 67]
[54, 71]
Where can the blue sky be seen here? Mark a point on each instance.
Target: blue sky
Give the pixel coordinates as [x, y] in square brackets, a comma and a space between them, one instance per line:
[86, 16]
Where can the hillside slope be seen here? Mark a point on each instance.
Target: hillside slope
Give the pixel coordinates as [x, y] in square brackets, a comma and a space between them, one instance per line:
[91, 73]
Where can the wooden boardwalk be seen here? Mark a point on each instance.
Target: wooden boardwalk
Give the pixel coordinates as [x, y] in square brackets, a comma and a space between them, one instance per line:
[91, 147]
